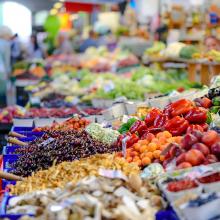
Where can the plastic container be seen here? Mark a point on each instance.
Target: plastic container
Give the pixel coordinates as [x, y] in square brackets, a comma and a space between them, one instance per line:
[9, 150]
[8, 160]
[31, 133]
[5, 183]
[3, 210]
[203, 212]
[27, 139]
[172, 196]
[166, 215]
[23, 129]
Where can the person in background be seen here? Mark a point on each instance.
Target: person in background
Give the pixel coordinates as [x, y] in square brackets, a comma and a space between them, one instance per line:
[64, 45]
[16, 54]
[91, 41]
[212, 43]
[34, 51]
[5, 62]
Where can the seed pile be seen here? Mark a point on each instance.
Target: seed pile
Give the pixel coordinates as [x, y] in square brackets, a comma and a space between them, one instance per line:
[59, 175]
[56, 147]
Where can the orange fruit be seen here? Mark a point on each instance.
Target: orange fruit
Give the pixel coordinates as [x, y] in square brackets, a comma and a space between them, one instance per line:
[143, 148]
[160, 134]
[146, 161]
[143, 142]
[162, 140]
[138, 162]
[152, 147]
[163, 147]
[136, 158]
[129, 159]
[167, 134]
[162, 158]
[156, 154]
[155, 140]
[150, 155]
[134, 153]
[137, 146]
[178, 139]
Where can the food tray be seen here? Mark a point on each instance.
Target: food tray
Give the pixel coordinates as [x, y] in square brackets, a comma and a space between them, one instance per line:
[22, 129]
[3, 208]
[9, 150]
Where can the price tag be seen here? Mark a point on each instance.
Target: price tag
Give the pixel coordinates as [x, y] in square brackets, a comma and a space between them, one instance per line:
[124, 146]
[35, 100]
[48, 141]
[113, 174]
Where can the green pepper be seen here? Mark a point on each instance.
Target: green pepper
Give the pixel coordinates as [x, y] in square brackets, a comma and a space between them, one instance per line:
[209, 118]
[216, 101]
[214, 109]
[126, 126]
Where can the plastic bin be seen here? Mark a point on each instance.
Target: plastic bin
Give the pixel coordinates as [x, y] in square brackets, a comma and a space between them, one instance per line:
[10, 150]
[5, 183]
[166, 215]
[18, 129]
[31, 133]
[3, 210]
[8, 160]
[27, 139]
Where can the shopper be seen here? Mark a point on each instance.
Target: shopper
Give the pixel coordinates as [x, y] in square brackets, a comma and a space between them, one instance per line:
[16, 54]
[91, 41]
[5, 57]
[64, 45]
[34, 51]
[212, 43]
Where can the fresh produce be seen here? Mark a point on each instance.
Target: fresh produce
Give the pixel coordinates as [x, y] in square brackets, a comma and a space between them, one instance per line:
[188, 51]
[56, 147]
[149, 150]
[126, 126]
[181, 185]
[155, 49]
[211, 178]
[105, 135]
[74, 123]
[195, 148]
[173, 50]
[92, 198]
[59, 175]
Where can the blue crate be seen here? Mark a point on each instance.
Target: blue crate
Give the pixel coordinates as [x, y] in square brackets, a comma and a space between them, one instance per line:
[9, 150]
[168, 214]
[18, 129]
[8, 160]
[5, 183]
[31, 133]
[3, 210]
[27, 139]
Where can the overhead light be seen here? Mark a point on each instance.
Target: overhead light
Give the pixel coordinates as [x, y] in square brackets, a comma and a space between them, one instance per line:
[58, 5]
[53, 11]
[62, 0]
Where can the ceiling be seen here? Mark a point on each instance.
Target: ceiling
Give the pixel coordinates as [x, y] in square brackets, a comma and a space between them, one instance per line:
[38, 5]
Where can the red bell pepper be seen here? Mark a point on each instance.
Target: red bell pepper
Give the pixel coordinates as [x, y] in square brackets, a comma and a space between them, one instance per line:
[180, 107]
[197, 115]
[205, 126]
[160, 120]
[142, 129]
[132, 140]
[135, 126]
[151, 116]
[177, 126]
[192, 128]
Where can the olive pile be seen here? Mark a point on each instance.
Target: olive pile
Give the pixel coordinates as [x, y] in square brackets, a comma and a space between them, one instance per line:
[56, 147]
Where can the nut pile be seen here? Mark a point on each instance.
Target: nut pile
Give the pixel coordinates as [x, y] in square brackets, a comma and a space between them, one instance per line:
[58, 176]
[92, 198]
[58, 147]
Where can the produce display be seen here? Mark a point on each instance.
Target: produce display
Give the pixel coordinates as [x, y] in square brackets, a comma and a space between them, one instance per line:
[60, 175]
[56, 147]
[95, 198]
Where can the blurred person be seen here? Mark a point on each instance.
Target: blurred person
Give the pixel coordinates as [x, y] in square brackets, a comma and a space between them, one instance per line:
[64, 45]
[16, 53]
[34, 51]
[5, 61]
[91, 41]
[212, 43]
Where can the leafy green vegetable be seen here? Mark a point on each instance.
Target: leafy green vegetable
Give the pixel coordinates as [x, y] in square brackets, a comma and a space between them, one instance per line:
[188, 51]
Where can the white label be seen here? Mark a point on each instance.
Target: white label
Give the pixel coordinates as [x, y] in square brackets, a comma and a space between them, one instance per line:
[113, 174]
[124, 146]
